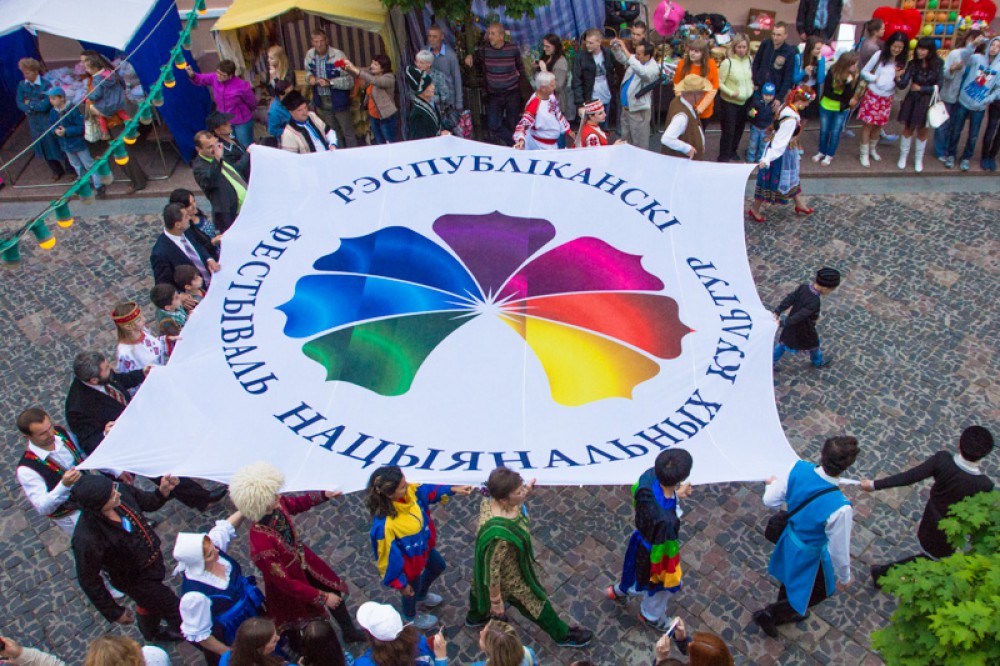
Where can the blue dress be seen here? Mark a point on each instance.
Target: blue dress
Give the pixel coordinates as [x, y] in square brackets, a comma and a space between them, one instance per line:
[32, 100]
[802, 548]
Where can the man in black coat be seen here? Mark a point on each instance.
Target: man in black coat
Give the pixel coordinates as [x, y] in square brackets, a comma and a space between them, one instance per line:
[224, 186]
[956, 477]
[113, 535]
[818, 17]
[763, 66]
[594, 76]
[182, 243]
[97, 397]
[799, 327]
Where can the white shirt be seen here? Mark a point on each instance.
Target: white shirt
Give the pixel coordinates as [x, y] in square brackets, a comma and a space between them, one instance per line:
[677, 127]
[44, 500]
[151, 350]
[786, 130]
[601, 89]
[547, 125]
[838, 525]
[967, 465]
[196, 609]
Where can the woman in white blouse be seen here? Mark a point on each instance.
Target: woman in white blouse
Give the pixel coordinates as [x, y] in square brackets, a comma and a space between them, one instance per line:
[778, 178]
[217, 597]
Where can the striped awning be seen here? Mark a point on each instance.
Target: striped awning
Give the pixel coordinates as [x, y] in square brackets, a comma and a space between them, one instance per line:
[366, 14]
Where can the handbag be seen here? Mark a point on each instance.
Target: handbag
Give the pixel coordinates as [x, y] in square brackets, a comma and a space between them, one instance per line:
[777, 523]
[937, 112]
[92, 132]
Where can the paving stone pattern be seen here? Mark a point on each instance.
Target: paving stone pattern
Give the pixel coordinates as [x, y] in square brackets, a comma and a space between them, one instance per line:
[912, 333]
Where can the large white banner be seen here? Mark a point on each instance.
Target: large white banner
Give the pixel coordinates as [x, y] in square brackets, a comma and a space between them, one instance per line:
[450, 306]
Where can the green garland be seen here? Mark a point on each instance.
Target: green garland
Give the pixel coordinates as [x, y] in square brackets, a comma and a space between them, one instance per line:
[10, 248]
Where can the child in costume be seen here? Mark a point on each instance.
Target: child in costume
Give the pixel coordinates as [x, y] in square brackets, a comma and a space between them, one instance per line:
[799, 327]
[652, 566]
[137, 347]
[592, 134]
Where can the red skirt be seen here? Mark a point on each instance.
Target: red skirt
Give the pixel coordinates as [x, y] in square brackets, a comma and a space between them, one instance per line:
[874, 109]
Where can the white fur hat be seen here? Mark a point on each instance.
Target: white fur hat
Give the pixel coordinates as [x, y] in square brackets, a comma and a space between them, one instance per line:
[253, 489]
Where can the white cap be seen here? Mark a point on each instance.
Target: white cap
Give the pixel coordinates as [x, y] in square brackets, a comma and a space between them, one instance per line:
[189, 553]
[154, 656]
[381, 620]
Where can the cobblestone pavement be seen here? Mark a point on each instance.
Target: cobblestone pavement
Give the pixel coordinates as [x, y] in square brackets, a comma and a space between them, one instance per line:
[912, 334]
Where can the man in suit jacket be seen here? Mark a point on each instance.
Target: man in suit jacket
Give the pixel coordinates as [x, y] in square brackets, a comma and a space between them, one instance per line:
[224, 186]
[182, 243]
[97, 397]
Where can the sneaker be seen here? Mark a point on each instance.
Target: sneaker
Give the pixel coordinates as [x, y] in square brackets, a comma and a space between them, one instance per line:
[949, 163]
[431, 600]
[888, 138]
[576, 637]
[766, 623]
[818, 156]
[964, 165]
[993, 164]
[423, 621]
[942, 158]
[850, 133]
[826, 361]
[660, 625]
[984, 164]
[827, 160]
[475, 624]
[877, 571]
[612, 592]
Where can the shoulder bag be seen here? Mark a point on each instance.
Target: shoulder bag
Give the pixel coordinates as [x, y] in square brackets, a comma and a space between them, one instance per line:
[777, 523]
[937, 113]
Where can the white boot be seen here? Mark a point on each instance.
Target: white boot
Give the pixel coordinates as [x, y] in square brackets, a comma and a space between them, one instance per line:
[864, 156]
[918, 156]
[872, 146]
[904, 150]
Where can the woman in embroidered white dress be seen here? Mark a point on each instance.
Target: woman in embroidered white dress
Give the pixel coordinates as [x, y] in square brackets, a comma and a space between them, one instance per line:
[137, 347]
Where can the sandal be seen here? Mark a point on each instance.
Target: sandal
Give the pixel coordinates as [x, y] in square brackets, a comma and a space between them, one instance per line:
[804, 211]
[755, 217]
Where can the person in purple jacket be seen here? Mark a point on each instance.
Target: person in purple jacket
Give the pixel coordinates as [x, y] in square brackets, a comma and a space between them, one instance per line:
[233, 96]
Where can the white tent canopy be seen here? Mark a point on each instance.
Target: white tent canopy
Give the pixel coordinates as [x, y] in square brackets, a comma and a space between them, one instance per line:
[108, 22]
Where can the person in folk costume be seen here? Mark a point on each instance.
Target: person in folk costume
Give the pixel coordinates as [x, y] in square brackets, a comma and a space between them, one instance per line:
[652, 566]
[542, 122]
[778, 177]
[685, 136]
[798, 331]
[216, 596]
[137, 347]
[504, 569]
[593, 116]
[298, 585]
[424, 120]
[113, 535]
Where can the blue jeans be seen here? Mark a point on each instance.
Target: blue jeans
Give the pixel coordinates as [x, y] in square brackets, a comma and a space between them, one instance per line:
[942, 135]
[435, 566]
[244, 133]
[975, 119]
[831, 125]
[755, 145]
[81, 161]
[815, 355]
[385, 130]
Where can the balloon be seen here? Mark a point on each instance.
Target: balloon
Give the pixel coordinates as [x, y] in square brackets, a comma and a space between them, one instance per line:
[937, 43]
[939, 30]
[947, 43]
[928, 29]
[913, 44]
[950, 30]
[953, 16]
[932, 4]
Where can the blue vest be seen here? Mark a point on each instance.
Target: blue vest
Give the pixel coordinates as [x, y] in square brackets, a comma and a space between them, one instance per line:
[802, 548]
[230, 607]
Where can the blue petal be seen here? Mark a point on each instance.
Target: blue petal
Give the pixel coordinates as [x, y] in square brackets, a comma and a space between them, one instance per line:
[401, 254]
[324, 302]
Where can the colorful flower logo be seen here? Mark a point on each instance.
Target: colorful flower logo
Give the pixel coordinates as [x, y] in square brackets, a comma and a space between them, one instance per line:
[383, 302]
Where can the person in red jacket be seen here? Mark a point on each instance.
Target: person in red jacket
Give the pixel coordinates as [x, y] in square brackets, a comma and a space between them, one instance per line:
[298, 585]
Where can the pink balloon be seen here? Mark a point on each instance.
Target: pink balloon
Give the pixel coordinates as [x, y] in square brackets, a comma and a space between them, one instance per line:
[667, 17]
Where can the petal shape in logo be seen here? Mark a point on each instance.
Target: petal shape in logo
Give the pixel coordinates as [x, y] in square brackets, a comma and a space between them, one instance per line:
[583, 367]
[382, 356]
[649, 322]
[326, 301]
[494, 245]
[401, 254]
[583, 264]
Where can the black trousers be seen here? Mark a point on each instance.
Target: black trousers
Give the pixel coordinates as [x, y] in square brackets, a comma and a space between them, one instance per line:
[782, 611]
[733, 118]
[57, 167]
[503, 111]
[157, 602]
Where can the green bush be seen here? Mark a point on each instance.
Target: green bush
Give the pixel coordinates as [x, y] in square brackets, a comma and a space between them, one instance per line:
[949, 610]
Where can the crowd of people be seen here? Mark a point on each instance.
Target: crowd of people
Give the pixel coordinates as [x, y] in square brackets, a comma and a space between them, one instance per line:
[606, 90]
